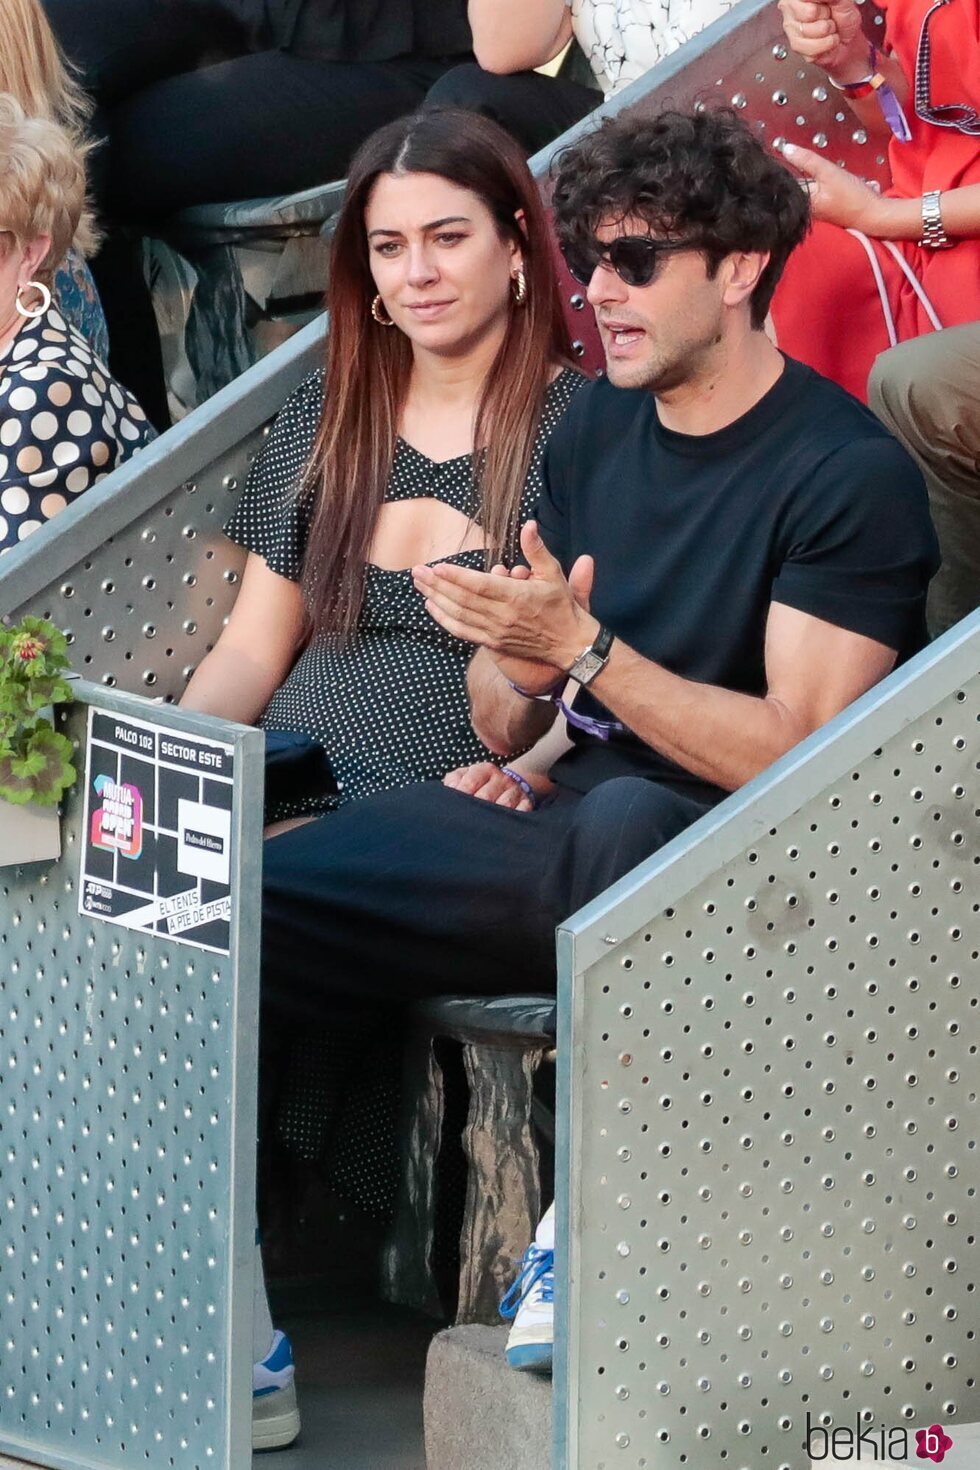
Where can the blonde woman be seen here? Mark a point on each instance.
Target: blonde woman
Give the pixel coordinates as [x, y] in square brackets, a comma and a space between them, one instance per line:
[32, 71]
[64, 424]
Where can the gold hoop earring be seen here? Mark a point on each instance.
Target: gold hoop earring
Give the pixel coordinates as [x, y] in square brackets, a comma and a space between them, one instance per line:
[378, 312]
[32, 312]
[519, 286]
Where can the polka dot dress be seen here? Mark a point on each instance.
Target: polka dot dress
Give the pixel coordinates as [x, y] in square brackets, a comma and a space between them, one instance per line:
[390, 706]
[64, 424]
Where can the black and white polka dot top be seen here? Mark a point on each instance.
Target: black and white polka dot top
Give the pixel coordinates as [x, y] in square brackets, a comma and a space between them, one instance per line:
[64, 424]
[389, 706]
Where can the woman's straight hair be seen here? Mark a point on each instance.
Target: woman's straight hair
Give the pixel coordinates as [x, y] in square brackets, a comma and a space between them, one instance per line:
[368, 366]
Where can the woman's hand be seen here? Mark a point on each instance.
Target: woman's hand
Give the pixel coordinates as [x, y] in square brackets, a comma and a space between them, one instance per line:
[487, 782]
[836, 196]
[829, 35]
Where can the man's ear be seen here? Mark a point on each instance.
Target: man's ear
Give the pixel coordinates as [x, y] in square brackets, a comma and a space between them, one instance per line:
[742, 272]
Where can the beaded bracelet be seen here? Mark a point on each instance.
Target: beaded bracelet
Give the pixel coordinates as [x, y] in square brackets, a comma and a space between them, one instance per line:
[525, 786]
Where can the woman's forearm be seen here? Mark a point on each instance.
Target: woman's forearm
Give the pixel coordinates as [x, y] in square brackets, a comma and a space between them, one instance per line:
[230, 684]
[901, 219]
[518, 35]
[539, 760]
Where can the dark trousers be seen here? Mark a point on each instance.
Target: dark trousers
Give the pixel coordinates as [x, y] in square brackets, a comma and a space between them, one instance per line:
[426, 891]
[189, 113]
[535, 108]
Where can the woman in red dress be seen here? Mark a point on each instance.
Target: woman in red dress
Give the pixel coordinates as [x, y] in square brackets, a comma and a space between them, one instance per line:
[844, 299]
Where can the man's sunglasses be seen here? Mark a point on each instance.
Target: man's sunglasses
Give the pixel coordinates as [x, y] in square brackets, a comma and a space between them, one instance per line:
[635, 258]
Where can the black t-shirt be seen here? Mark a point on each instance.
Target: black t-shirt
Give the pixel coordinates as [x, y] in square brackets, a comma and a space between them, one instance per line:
[805, 500]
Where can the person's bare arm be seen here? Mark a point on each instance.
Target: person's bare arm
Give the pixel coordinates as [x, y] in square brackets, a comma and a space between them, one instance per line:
[491, 783]
[255, 651]
[504, 720]
[518, 35]
[813, 668]
[844, 199]
[813, 671]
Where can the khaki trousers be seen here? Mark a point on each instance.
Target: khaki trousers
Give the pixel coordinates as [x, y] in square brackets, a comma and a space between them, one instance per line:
[927, 392]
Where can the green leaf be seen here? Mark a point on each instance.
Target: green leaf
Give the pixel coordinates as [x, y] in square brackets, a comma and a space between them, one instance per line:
[42, 773]
[35, 760]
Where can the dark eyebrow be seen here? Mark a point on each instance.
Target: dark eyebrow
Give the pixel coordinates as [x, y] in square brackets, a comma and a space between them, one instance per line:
[436, 224]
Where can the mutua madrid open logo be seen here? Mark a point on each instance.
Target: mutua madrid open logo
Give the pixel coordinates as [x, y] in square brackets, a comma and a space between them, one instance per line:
[866, 1443]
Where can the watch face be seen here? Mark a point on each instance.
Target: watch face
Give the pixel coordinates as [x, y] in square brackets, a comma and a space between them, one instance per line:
[587, 666]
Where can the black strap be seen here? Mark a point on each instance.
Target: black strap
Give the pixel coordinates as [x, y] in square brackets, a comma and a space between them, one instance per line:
[603, 641]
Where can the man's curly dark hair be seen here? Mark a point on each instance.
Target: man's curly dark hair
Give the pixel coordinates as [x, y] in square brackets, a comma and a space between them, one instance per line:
[701, 175]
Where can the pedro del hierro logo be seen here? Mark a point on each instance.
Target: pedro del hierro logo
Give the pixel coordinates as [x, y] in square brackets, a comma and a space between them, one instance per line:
[866, 1443]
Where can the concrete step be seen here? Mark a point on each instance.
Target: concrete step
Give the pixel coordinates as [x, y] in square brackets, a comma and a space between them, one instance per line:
[479, 1413]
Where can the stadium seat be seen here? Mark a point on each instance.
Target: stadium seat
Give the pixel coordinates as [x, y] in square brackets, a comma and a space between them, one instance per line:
[230, 281]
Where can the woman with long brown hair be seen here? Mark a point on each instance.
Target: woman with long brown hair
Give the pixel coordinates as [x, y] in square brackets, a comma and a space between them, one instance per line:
[420, 441]
[446, 336]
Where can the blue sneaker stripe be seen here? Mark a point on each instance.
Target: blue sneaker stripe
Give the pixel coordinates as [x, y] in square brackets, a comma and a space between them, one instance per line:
[260, 1393]
[534, 1357]
[281, 1358]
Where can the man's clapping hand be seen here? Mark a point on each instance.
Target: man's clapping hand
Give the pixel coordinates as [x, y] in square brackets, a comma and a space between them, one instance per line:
[531, 619]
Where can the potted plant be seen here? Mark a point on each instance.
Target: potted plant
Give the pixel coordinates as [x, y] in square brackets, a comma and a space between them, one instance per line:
[35, 759]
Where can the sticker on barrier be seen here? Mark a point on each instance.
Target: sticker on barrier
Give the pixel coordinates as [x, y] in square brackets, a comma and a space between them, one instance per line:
[157, 833]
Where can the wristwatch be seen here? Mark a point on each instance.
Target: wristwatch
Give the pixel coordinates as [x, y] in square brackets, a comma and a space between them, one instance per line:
[592, 660]
[933, 234]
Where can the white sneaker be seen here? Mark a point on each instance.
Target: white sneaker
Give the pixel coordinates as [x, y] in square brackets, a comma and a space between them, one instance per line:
[275, 1412]
[530, 1302]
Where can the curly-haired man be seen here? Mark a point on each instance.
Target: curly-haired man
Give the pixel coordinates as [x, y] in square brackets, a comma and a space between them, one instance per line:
[729, 550]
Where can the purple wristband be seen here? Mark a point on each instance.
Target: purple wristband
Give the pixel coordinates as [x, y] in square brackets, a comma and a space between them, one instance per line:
[547, 696]
[601, 729]
[525, 786]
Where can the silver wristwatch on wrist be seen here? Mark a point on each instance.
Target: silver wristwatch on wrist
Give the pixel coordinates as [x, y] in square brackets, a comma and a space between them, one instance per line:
[592, 660]
[933, 234]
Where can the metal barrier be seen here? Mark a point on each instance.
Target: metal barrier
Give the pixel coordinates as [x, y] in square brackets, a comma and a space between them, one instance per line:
[742, 61]
[137, 570]
[768, 1086]
[127, 1071]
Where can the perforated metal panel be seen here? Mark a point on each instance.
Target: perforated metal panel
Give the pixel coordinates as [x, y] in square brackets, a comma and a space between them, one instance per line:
[770, 1122]
[127, 1137]
[137, 571]
[742, 61]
